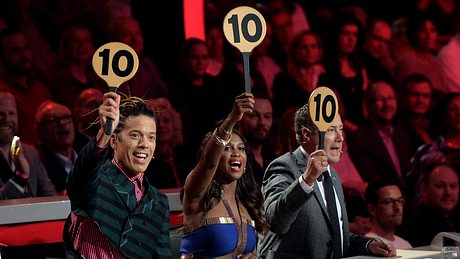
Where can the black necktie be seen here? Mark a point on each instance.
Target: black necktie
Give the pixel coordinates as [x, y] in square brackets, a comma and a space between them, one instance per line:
[332, 212]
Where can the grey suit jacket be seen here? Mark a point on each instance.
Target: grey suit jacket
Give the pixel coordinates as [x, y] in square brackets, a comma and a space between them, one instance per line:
[298, 222]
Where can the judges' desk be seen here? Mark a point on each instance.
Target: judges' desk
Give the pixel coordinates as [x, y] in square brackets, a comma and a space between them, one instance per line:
[41, 220]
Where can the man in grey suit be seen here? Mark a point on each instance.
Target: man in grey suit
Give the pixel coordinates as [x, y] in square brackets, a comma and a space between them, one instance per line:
[295, 206]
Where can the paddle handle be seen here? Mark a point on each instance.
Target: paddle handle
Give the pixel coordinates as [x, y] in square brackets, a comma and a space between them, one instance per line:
[109, 121]
[247, 74]
[321, 140]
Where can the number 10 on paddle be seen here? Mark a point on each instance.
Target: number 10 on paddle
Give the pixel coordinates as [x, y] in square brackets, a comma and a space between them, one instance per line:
[115, 63]
[323, 108]
[244, 27]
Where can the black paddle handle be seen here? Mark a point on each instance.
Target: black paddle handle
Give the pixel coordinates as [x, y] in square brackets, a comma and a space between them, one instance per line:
[109, 121]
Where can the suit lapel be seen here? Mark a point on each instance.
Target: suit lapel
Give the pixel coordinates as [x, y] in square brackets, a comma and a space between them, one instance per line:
[123, 187]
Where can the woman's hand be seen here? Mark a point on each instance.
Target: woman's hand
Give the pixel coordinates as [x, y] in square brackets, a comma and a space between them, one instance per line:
[243, 103]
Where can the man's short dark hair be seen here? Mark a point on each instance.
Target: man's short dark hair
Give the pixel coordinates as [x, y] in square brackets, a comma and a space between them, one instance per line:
[132, 106]
[372, 189]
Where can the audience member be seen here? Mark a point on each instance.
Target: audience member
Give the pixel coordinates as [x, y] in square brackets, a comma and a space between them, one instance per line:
[196, 95]
[74, 72]
[436, 213]
[216, 41]
[86, 115]
[115, 211]
[20, 79]
[167, 170]
[222, 203]
[294, 9]
[256, 128]
[285, 137]
[380, 148]
[22, 174]
[295, 201]
[54, 126]
[148, 81]
[376, 54]
[415, 99]
[344, 71]
[264, 62]
[283, 32]
[421, 33]
[386, 205]
[447, 58]
[292, 86]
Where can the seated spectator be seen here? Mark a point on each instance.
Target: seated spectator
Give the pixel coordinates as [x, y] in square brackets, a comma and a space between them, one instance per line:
[286, 139]
[55, 129]
[148, 81]
[386, 205]
[436, 213]
[22, 174]
[415, 100]
[380, 148]
[21, 80]
[166, 170]
[74, 72]
[86, 115]
[256, 127]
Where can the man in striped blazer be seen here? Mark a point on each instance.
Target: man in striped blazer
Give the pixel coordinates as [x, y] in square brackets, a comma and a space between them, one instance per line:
[116, 212]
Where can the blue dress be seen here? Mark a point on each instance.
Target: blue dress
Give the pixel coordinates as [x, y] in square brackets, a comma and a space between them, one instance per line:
[218, 237]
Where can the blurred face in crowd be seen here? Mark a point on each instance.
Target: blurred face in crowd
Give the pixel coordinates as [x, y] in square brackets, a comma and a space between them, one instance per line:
[55, 126]
[388, 211]
[440, 190]
[8, 118]
[418, 98]
[232, 163]
[80, 46]
[378, 40]
[215, 41]
[453, 115]
[256, 125]
[86, 110]
[165, 130]
[135, 144]
[283, 30]
[348, 37]
[17, 53]
[382, 104]
[127, 30]
[197, 60]
[309, 51]
[427, 35]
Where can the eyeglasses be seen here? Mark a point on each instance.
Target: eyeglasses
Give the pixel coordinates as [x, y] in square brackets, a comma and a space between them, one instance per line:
[392, 202]
[55, 120]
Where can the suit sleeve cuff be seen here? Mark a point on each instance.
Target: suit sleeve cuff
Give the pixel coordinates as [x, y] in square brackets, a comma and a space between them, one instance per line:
[307, 188]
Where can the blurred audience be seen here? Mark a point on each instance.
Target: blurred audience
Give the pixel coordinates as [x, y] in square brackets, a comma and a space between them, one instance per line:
[386, 206]
[166, 169]
[285, 134]
[21, 79]
[54, 126]
[439, 199]
[22, 173]
[74, 72]
[86, 115]
[256, 128]
[148, 81]
[380, 148]
[292, 86]
[344, 70]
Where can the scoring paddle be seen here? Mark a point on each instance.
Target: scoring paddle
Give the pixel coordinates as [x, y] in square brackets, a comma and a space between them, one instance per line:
[245, 28]
[115, 63]
[323, 108]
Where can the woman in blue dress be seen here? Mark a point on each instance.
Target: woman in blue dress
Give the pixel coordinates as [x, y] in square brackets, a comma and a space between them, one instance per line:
[222, 204]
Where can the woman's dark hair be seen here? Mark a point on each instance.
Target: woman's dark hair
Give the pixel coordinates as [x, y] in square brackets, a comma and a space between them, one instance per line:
[247, 189]
[438, 121]
[414, 24]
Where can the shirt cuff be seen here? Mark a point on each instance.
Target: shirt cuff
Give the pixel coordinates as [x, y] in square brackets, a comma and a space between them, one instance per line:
[307, 188]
